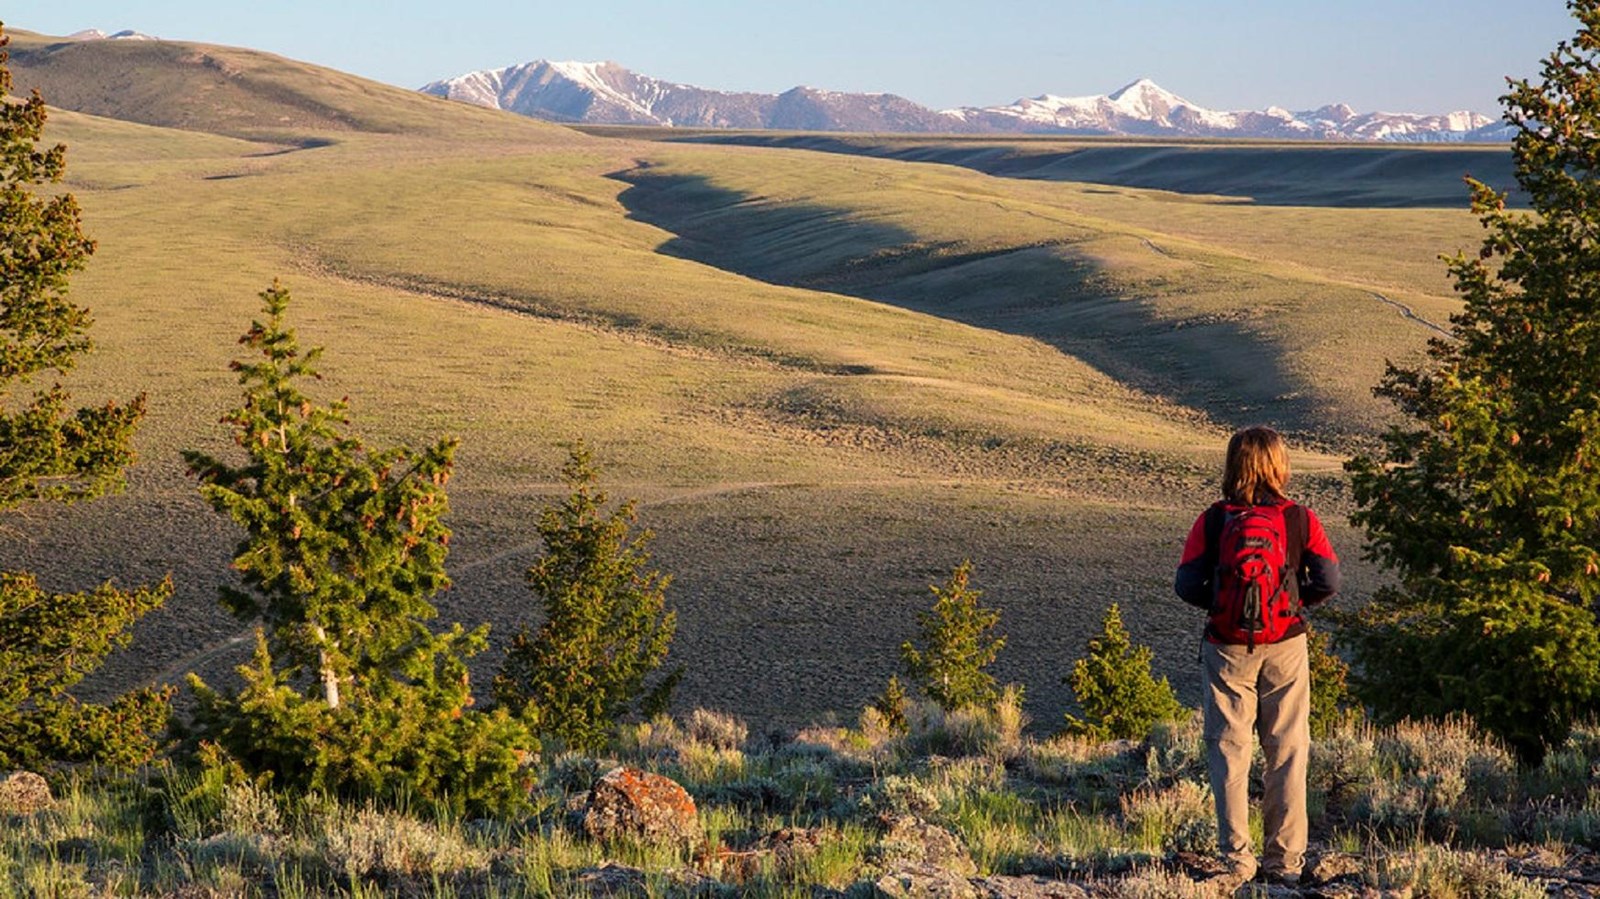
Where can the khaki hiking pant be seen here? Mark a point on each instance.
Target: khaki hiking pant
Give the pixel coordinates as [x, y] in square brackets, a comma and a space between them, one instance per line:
[1267, 691]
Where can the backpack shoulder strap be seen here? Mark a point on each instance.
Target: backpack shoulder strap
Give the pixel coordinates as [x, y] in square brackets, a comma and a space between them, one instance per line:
[1296, 534]
[1214, 520]
[1296, 531]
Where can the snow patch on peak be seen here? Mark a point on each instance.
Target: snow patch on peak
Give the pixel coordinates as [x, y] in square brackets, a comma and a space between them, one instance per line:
[95, 34]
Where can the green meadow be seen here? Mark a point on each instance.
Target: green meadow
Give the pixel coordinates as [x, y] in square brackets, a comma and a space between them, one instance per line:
[827, 378]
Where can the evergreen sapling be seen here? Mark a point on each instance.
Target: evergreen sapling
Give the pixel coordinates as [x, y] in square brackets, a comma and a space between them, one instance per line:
[1120, 698]
[957, 646]
[349, 690]
[606, 626]
[51, 452]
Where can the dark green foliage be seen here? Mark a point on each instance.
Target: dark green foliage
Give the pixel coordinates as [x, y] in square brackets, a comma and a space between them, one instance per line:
[606, 627]
[350, 691]
[1120, 698]
[956, 646]
[48, 643]
[46, 450]
[1330, 689]
[892, 704]
[1488, 506]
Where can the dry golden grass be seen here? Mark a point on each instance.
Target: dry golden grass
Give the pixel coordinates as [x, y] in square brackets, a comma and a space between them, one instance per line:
[828, 379]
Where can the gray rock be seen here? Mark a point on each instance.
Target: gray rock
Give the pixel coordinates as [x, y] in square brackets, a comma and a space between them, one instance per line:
[1334, 866]
[609, 879]
[24, 793]
[1000, 887]
[911, 839]
[914, 880]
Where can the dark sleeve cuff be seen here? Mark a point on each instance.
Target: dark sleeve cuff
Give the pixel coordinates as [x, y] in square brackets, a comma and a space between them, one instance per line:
[1319, 579]
[1193, 584]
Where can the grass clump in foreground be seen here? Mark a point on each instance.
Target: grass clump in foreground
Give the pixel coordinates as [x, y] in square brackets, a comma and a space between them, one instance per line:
[1438, 810]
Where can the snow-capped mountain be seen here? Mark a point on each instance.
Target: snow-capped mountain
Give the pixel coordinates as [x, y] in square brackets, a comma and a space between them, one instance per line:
[606, 93]
[95, 34]
[1145, 108]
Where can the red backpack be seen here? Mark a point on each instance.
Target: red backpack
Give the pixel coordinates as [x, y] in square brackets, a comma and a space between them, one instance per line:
[1255, 597]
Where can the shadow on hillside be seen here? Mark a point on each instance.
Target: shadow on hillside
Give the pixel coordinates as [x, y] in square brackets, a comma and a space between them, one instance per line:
[1378, 176]
[1044, 291]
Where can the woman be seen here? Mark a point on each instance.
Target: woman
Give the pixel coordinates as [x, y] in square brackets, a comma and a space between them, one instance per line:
[1252, 561]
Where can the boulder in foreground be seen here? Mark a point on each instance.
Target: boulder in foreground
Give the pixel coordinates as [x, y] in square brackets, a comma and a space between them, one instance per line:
[23, 793]
[629, 802]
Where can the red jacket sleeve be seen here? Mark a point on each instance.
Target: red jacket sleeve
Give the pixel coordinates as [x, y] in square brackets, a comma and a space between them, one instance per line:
[1319, 565]
[1196, 567]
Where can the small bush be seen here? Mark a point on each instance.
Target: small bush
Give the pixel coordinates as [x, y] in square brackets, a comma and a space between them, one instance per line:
[900, 794]
[972, 730]
[1568, 770]
[1570, 822]
[1071, 760]
[716, 729]
[891, 706]
[1181, 817]
[374, 844]
[956, 646]
[1120, 698]
[1439, 778]
[1159, 883]
[1330, 690]
[1441, 871]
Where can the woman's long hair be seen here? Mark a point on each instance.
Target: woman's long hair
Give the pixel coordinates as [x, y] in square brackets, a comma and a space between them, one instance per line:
[1257, 468]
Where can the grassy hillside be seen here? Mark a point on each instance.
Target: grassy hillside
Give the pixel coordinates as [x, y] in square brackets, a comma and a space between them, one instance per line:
[234, 91]
[1264, 172]
[829, 379]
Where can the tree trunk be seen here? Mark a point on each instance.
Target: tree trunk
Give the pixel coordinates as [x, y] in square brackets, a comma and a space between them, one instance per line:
[330, 679]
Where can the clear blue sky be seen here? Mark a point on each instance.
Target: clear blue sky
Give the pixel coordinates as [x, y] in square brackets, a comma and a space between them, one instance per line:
[1390, 55]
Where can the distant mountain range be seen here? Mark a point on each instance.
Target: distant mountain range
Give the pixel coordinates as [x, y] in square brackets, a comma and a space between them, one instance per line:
[606, 93]
[95, 34]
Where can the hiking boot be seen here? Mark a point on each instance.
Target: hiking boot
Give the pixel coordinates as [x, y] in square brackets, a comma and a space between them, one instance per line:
[1290, 879]
[1228, 882]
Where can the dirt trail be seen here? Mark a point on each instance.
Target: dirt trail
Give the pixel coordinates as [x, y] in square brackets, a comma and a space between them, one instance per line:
[175, 671]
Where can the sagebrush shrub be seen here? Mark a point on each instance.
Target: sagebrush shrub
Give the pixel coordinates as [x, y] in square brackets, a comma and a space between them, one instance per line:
[718, 730]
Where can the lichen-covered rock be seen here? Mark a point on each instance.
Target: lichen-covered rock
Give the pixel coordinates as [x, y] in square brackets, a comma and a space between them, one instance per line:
[919, 880]
[628, 802]
[23, 793]
[911, 839]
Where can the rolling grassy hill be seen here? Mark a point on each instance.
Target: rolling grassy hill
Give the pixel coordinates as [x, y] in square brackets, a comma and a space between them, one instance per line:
[1274, 173]
[828, 378]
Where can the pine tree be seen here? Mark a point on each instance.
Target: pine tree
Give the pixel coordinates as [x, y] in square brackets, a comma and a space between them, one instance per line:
[50, 452]
[892, 705]
[1488, 506]
[1330, 688]
[956, 646]
[1120, 698]
[606, 627]
[349, 690]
